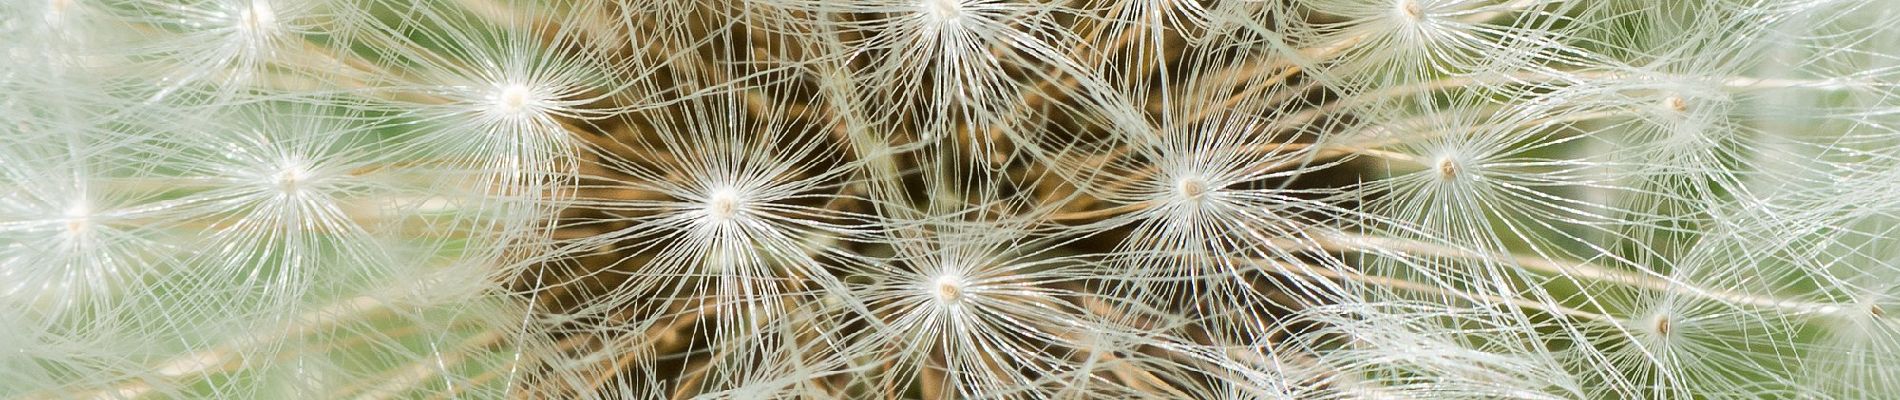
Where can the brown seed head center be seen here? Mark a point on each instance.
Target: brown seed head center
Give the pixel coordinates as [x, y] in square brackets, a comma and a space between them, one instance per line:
[1448, 169]
[1676, 103]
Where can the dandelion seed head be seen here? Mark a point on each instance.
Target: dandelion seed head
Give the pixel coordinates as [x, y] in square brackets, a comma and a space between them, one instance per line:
[732, 189]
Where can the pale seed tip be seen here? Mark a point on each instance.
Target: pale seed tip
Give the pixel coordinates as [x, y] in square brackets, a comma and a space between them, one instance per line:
[1411, 9]
[257, 18]
[1192, 188]
[1676, 104]
[722, 204]
[291, 178]
[1448, 169]
[949, 289]
[942, 10]
[78, 218]
[513, 98]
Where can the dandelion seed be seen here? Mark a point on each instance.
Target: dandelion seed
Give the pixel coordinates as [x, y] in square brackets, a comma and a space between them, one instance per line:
[1685, 345]
[1473, 170]
[971, 298]
[1396, 42]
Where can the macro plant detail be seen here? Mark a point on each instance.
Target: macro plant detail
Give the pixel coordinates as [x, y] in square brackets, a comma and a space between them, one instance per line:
[948, 199]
